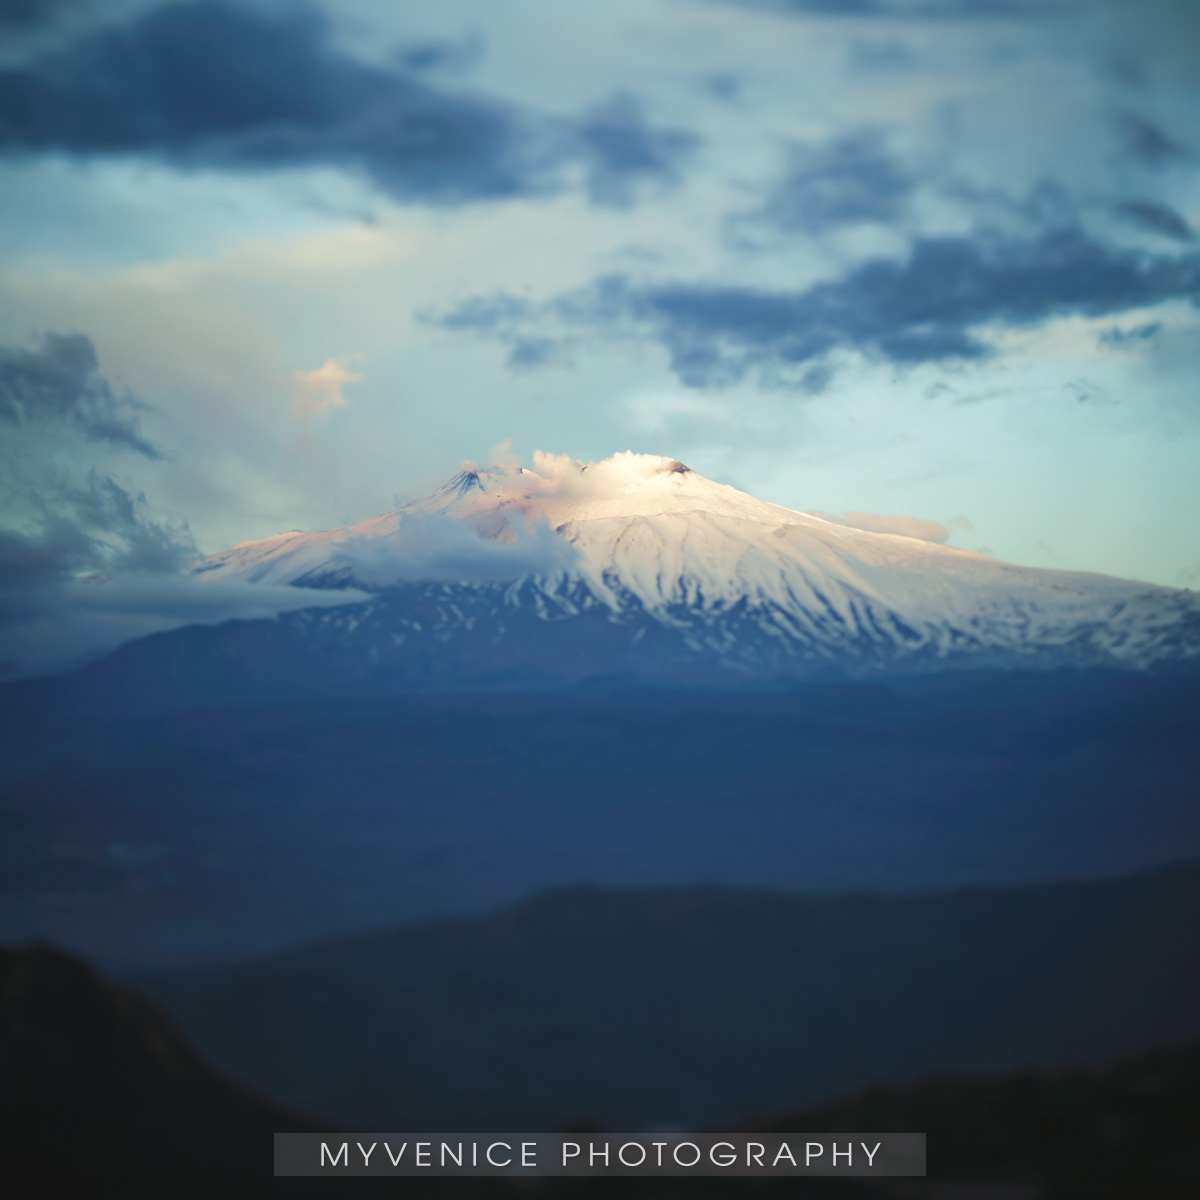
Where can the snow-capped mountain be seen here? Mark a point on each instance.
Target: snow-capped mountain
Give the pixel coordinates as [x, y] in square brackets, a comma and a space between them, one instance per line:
[639, 563]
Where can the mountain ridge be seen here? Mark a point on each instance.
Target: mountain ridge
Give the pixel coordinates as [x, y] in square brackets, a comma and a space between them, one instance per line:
[553, 1008]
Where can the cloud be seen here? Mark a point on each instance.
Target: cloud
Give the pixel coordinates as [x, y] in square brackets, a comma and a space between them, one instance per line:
[912, 527]
[529, 353]
[524, 491]
[501, 317]
[97, 568]
[242, 88]
[84, 562]
[1127, 337]
[879, 55]
[934, 305]
[1157, 218]
[220, 85]
[849, 181]
[1148, 143]
[502, 454]
[924, 10]
[1085, 391]
[722, 85]
[64, 522]
[484, 313]
[321, 388]
[95, 529]
[441, 56]
[561, 476]
[30, 14]
[622, 149]
[430, 547]
[76, 620]
[655, 409]
[59, 382]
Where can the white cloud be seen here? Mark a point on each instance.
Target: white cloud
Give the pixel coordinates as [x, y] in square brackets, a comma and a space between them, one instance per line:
[321, 388]
[502, 454]
[650, 411]
[912, 527]
[431, 547]
[78, 620]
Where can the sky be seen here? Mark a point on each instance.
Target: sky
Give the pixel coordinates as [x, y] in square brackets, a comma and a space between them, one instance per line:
[267, 266]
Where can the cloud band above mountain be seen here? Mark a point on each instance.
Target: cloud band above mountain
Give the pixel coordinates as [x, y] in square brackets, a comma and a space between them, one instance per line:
[937, 304]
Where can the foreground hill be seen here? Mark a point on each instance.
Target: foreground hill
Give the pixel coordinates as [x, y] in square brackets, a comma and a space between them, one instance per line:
[97, 1088]
[100, 1098]
[1102, 1134]
[692, 1008]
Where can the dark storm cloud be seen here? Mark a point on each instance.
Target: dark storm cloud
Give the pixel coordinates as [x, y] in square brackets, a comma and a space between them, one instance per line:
[60, 522]
[60, 382]
[853, 179]
[88, 565]
[1147, 142]
[96, 527]
[98, 569]
[209, 83]
[1157, 218]
[122, 533]
[929, 307]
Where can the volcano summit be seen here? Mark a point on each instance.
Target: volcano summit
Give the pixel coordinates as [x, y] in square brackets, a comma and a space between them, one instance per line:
[637, 565]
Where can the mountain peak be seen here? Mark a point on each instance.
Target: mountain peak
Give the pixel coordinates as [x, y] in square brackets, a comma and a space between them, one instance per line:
[643, 537]
[559, 488]
[461, 491]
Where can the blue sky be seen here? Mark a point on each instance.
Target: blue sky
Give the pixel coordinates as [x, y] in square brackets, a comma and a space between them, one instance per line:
[270, 266]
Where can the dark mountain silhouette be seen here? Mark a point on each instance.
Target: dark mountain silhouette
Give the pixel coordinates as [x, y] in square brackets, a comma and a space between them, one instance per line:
[97, 1087]
[699, 1007]
[100, 1097]
[1125, 1131]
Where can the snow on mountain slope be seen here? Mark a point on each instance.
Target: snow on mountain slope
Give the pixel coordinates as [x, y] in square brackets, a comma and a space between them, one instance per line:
[642, 536]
